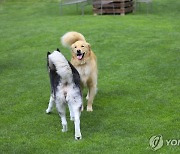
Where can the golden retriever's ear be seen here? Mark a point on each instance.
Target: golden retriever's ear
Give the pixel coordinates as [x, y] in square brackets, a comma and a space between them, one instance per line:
[72, 47]
[89, 46]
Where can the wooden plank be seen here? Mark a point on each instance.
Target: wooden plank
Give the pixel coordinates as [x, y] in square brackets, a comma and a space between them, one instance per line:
[116, 7]
[116, 11]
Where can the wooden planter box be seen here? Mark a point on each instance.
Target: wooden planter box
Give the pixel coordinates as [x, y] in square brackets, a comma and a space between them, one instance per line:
[113, 6]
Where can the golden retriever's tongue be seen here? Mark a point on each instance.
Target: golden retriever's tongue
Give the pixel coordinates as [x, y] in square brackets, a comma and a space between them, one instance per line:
[79, 57]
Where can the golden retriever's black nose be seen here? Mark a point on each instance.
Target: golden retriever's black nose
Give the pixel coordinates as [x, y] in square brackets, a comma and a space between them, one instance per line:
[79, 51]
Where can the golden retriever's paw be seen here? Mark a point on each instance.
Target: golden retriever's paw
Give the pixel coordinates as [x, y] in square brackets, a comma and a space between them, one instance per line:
[89, 108]
[82, 108]
[87, 97]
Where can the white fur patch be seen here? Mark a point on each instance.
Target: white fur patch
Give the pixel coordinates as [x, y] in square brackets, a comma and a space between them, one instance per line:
[62, 66]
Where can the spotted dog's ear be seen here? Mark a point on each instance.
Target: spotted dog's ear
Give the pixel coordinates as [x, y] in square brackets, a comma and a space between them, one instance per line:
[48, 53]
[58, 50]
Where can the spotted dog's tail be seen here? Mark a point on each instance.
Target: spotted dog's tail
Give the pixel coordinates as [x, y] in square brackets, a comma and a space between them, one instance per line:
[59, 69]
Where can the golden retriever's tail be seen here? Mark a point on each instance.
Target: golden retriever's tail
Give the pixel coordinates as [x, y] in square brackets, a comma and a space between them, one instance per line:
[70, 38]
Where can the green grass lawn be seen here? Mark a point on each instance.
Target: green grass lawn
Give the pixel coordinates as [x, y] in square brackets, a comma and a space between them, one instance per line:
[138, 83]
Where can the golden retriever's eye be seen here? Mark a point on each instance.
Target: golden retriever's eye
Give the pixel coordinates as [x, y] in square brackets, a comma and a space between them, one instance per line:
[75, 47]
[82, 46]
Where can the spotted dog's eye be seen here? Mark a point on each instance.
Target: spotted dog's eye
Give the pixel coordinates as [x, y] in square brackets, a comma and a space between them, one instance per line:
[82, 46]
[75, 47]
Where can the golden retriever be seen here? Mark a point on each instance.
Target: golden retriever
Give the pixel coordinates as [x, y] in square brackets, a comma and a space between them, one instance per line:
[84, 60]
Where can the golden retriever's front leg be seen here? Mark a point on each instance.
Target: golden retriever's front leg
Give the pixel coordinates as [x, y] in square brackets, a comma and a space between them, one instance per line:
[92, 93]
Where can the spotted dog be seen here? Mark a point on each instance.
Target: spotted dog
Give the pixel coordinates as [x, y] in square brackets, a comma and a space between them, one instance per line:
[65, 89]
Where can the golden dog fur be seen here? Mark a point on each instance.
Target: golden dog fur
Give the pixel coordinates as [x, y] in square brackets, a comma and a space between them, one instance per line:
[84, 60]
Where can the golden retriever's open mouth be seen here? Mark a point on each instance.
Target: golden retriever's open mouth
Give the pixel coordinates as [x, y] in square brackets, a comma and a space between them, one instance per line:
[80, 56]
